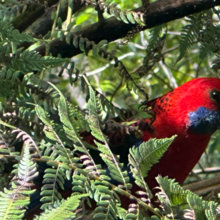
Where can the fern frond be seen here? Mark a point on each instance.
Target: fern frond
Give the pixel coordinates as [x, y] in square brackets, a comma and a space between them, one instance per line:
[144, 156]
[14, 201]
[197, 205]
[212, 211]
[64, 209]
[186, 41]
[176, 194]
[209, 42]
[63, 111]
[9, 34]
[154, 49]
[98, 51]
[10, 11]
[26, 170]
[71, 132]
[107, 200]
[26, 113]
[9, 82]
[81, 184]
[4, 150]
[115, 168]
[78, 118]
[64, 154]
[155, 36]
[54, 179]
[134, 212]
[29, 61]
[125, 16]
[29, 141]
[206, 50]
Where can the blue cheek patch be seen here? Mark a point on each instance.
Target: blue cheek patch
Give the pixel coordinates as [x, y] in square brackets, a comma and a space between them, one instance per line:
[204, 121]
[138, 143]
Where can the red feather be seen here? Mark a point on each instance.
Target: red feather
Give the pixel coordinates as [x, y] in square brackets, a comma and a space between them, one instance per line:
[172, 117]
[171, 113]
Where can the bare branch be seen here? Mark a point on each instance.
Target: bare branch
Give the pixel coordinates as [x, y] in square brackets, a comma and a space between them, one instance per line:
[204, 187]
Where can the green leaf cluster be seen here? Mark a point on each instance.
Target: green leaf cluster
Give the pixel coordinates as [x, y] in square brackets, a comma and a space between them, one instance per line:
[45, 162]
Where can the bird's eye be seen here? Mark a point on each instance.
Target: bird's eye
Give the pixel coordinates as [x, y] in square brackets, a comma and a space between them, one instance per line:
[215, 95]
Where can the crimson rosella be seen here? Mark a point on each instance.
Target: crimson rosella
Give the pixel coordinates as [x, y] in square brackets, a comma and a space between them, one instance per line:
[192, 112]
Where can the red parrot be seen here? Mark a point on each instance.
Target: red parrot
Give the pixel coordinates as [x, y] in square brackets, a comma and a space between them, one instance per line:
[192, 112]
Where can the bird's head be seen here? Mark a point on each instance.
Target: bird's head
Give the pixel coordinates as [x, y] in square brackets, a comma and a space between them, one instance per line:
[193, 107]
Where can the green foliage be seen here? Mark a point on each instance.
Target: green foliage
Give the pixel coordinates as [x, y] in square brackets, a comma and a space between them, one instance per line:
[43, 153]
[30, 61]
[14, 201]
[143, 157]
[109, 158]
[9, 34]
[125, 16]
[175, 193]
[56, 211]
[172, 194]
[203, 30]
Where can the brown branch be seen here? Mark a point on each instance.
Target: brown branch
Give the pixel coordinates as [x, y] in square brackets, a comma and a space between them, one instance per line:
[208, 170]
[44, 23]
[204, 187]
[111, 29]
[39, 22]
[31, 14]
[162, 11]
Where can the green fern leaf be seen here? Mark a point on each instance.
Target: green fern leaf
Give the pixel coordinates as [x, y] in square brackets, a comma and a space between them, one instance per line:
[63, 209]
[9, 34]
[186, 41]
[197, 205]
[70, 130]
[108, 157]
[176, 194]
[144, 156]
[212, 212]
[29, 61]
[155, 35]
[14, 202]
[53, 180]
[107, 201]
[63, 110]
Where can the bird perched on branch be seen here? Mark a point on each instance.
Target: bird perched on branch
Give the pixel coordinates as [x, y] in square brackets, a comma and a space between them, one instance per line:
[191, 111]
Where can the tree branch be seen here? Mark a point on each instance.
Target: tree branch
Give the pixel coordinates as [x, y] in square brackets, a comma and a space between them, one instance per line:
[31, 14]
[204, 187]
[162, 11]
[111, 29]
[44, 23]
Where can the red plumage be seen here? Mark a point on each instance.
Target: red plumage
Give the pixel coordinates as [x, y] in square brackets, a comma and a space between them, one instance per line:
[171, 112]
[172, 117]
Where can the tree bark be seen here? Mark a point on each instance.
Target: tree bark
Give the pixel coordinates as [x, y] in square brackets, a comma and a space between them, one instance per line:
[111, 29]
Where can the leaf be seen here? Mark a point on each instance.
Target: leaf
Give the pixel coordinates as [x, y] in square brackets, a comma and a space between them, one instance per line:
[143, 157]
[176, 194]
[62, 209]
[197, 205]
[115, 168]
[14, 201]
